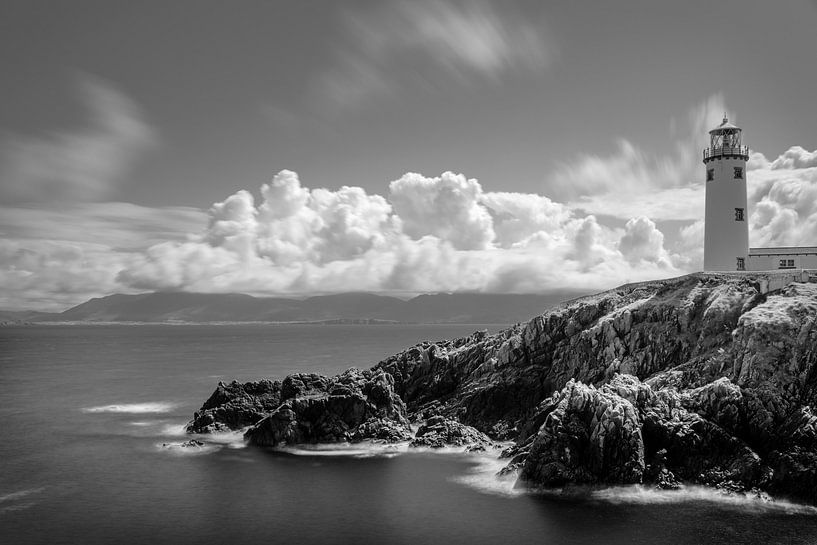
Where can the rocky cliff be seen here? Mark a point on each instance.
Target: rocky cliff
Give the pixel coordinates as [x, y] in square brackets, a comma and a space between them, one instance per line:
[706, 378]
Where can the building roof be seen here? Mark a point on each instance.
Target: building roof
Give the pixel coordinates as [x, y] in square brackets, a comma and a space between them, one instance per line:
[784, 250]
[724, 125]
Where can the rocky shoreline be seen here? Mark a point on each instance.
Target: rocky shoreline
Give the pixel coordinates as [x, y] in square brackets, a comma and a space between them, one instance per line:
[704, 379]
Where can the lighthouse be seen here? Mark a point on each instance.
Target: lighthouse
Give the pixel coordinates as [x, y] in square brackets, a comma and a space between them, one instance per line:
[726, 227]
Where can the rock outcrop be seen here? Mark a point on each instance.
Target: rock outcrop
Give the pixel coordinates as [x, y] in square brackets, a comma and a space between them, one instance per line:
[588, 435]
[234, 406]
[353, 406]
[706, 378]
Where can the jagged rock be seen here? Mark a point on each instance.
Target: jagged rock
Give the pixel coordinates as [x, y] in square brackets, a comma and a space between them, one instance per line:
[235, 406]
[353, 406]
[588, 436]
[440, 432]
[665, 480]
[192, 443]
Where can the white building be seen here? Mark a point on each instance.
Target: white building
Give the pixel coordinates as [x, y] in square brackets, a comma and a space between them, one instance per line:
[726, 227]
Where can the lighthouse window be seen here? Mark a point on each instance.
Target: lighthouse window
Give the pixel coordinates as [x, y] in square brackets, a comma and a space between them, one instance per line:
[738, 173]
[739, 214]
[741, 265]
[710, 174]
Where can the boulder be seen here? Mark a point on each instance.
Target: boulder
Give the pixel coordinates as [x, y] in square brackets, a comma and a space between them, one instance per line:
[438, 432]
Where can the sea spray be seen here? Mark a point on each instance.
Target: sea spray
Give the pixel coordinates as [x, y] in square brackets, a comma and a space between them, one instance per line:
[133, 408]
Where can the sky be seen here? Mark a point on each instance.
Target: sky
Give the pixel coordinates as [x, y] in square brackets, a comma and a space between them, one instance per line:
[401, 147]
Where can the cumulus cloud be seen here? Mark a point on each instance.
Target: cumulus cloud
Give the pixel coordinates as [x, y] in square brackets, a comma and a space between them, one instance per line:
[440, 233]
[795, 158]
[80, 164]
[688, 252]
[642, 241]
[446, 207]
[520, 219]
[418, 43]
[783, 199]
[443, 233]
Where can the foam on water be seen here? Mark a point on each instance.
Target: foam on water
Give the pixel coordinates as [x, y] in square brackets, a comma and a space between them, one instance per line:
[484, 477]
[357, 450]
[229, 439]
[174, 430]
[133, 408]
[641, 495]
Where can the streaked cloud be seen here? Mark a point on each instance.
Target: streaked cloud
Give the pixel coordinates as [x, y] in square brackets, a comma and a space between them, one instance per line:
[424, 44]
[81, 164]
[632, 182]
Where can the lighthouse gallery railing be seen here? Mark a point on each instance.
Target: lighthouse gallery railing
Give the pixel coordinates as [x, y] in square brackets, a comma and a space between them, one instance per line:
[726, 151]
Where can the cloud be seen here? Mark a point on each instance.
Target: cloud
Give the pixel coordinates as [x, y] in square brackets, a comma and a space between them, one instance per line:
[51, 258]
[520, 219]
[643, 242]
[688, 252]
[431, 234]
[611, 219]
[81, 164]
[631, 182]
[447, 207]
[443, 233]
[795, 158]
[419, 43]
[783, 199]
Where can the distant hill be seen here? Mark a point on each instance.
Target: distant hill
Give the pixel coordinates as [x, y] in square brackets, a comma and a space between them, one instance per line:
[235, 307]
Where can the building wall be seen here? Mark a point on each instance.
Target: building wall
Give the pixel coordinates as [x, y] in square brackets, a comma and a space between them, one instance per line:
[772, 262]
[725, 239]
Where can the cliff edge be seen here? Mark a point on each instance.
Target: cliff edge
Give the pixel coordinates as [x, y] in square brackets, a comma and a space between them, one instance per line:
[706, 378]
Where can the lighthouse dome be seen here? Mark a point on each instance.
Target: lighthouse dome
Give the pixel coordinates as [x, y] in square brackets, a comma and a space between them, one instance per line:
[724, 126]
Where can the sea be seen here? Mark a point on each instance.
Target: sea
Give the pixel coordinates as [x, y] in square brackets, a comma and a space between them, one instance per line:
[92, 417]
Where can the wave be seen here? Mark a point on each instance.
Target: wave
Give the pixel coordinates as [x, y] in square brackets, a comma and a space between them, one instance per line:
[14, 496]
[133, 408]
[12, 501]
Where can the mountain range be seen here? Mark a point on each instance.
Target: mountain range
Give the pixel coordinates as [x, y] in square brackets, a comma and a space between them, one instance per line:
[344, 307]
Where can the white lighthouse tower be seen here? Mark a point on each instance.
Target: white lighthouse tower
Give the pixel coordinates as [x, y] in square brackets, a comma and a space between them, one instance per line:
[726, 228]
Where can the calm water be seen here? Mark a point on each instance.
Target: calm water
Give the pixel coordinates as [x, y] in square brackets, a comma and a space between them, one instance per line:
[85, 410]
